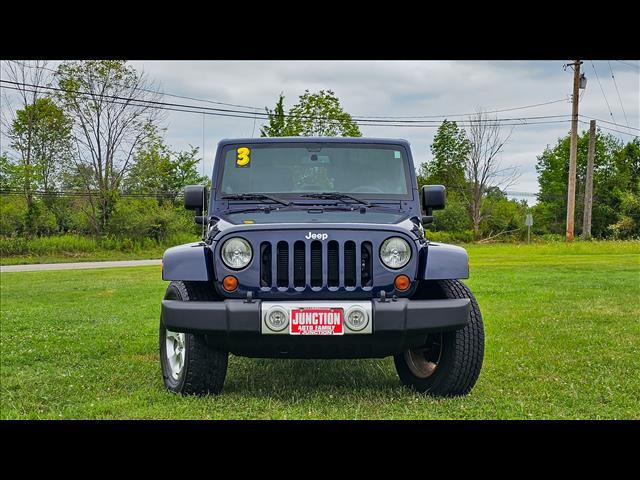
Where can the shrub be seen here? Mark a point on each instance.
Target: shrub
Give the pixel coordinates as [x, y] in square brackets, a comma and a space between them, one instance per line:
[70, 214]
[453, 218]
[503, 215]
[15, 217]
[13, 212]
[144, 218]
[42, 219]
[623, 229]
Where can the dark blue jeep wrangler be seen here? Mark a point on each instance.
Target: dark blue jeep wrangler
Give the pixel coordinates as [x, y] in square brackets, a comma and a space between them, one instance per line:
[315, 248]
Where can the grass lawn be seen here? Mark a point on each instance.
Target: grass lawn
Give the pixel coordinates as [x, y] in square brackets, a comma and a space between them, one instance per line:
[562, 341]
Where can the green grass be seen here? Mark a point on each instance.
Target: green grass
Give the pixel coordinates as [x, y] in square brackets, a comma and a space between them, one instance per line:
[562, 341]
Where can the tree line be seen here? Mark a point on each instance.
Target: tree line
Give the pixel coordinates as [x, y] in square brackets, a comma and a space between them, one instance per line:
[93, 128]
[467, 163]
[89, 128]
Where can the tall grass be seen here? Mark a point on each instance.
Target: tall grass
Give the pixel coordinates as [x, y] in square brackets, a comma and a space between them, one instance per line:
[79, 244]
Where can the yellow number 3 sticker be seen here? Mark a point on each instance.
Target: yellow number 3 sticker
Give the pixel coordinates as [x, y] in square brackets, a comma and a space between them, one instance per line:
[244, 157]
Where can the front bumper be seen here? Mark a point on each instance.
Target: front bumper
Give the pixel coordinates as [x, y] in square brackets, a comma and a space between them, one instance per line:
[236, 326]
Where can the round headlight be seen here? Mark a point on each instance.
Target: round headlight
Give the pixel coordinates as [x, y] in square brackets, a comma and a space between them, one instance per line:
[236, 253]
[395, 252]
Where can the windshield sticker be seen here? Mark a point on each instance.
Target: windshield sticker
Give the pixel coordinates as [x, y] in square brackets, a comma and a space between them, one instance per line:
[248, 222]
[243, 158]
[396, 154]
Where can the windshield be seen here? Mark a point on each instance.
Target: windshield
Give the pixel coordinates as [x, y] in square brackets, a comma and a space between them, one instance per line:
[369, 171]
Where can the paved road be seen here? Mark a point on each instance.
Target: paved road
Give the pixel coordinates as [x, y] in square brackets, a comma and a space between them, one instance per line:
[77, 265]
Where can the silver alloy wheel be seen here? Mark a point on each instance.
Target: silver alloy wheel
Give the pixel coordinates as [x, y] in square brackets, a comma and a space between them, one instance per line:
[175, 350]
[423, 361]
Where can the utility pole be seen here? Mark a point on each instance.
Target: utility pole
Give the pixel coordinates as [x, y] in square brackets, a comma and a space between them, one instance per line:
[571, 193]
[588, 188]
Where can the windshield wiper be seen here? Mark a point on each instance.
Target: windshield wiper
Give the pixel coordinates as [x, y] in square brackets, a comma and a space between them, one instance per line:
[255, 196]
[336, 196]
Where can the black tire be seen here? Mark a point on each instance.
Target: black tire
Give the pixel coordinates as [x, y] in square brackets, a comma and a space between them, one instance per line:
[457, 355]
[204, 368]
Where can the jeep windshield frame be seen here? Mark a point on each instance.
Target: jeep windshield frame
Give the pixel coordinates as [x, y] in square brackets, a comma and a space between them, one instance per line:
[399, 184]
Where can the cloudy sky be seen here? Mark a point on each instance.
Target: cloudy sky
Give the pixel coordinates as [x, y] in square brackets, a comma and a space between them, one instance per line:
[401, 88]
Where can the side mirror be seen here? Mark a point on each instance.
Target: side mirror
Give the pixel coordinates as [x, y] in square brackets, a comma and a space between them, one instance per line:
[195, 198]
[433, 198]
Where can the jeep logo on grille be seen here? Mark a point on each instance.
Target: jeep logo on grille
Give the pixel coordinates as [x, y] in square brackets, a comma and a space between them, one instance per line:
[316, 236]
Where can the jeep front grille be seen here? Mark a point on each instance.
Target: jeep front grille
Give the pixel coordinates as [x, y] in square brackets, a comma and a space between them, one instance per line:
[333, 264]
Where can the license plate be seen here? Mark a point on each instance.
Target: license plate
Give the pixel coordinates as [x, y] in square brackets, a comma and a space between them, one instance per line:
[316, 321]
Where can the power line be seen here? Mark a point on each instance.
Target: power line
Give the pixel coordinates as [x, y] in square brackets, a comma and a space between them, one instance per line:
[618, 92]
[128, 99]
[611, 129]
[468, 114]
[629, 64]
[610, 123]
[138, 102]
[151, 91]
[602, 89]
[251, 114]
[521, 194]
[239, 114]
[522, 122]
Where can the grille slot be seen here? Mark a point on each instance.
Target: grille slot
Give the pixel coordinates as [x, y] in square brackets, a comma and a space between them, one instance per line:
[316, 263]
[333, 264]
[366, 264]
[282, 274]
[265, 264]
[298, 264]
[350, 263]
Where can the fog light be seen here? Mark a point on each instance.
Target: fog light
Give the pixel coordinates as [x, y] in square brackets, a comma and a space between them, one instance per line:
[357, 318]
[277, 319]
[402, 283]
[230, 283]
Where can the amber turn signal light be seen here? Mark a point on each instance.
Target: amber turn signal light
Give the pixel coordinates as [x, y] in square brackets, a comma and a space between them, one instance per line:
[230, 283]
[402, 283]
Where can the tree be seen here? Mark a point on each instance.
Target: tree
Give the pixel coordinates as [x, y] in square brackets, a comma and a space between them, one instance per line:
[316, 114]
[278, 126]
[483, 167]
[30, 80]
[613, 175]
[450, 149]
[41, 133]
[109, 102]
[158, 170]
